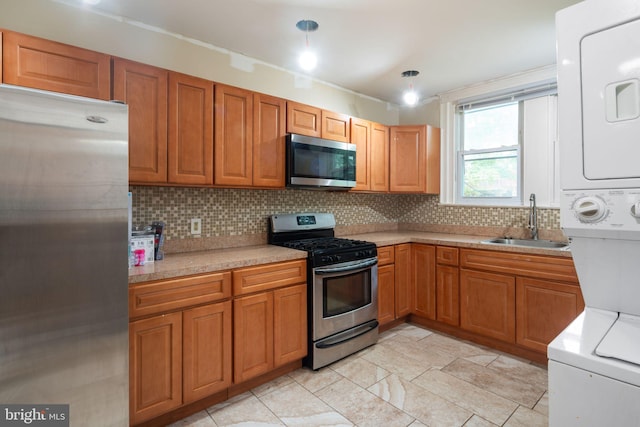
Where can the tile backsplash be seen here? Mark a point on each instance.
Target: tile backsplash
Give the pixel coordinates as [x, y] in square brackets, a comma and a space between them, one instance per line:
[238, 217]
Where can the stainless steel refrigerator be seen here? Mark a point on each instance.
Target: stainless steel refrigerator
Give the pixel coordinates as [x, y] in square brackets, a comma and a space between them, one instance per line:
[63, 255]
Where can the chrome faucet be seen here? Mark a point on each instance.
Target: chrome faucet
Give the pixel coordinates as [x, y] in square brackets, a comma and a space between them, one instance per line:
[533, 217]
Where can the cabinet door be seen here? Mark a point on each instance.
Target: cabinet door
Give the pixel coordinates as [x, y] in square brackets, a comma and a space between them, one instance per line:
[44, 64]
[447, 294]
[252, 336]
[206, 350]
[233, 136]
[386, 292]
[403, 276]
[155, 366]
[361, 136]
[190, 153]
[407, 158]
[433, 160]
[424, 280]
[303, 119]
[269, 133]
[544, 308]
[335, 126]
[379, 159]
[290, 324]
[487, 304]
[144, 89]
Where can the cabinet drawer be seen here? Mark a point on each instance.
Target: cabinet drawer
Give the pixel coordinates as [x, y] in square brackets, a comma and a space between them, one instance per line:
[540, 266]
[385, 255]
[447, 255]
[271, 276]
[166, 295]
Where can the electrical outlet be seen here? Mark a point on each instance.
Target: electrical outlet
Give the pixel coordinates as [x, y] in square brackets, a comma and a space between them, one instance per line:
[196, 226]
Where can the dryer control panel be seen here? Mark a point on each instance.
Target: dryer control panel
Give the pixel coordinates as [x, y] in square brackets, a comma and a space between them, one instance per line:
[610, 213]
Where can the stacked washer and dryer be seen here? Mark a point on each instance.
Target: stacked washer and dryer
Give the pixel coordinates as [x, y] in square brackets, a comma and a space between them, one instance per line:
[594, 364]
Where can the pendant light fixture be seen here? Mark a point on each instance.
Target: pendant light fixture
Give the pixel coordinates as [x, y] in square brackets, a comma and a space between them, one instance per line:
[307, 59]
[410, 96]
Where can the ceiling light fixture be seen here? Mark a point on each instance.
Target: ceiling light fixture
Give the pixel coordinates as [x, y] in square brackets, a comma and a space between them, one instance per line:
[307, 59]
[410, 96]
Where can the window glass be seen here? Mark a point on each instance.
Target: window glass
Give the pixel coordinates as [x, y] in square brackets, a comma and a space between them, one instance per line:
[489, 154]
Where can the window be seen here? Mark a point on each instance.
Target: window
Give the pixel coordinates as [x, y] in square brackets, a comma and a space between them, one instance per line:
[489, 151]
[499, 142]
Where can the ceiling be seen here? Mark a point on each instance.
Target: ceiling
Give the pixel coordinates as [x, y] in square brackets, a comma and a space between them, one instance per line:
[364, 45]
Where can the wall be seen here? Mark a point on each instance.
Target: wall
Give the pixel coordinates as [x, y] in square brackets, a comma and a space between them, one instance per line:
[234, 217]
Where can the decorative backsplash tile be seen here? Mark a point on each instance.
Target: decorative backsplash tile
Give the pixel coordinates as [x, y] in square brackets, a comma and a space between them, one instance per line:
[235, 217]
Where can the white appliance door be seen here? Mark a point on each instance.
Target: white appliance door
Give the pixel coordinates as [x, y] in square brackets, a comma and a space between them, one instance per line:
[610, 68]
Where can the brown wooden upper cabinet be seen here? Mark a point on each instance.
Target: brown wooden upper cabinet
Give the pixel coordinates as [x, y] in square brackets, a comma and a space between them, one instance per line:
[269, 132]
[336, 126]
[379, 157]
[304, 119]
[43, 64]
[410, 169]
[361, 137]
[249, 138]
[190, 147]
[233, 136]
[372, 155]
[145, 90]
[312, 121]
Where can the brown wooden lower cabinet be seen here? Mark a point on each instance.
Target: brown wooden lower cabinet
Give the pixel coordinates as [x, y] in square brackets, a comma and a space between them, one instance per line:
[386, 294]
[544, 308]
[289, 324]
[424, 281]
[447, 295]
[269, 330]
[488, 304]
[253, 336]
[186, 345]
[402, 280]
[155, 366]
[206, 342]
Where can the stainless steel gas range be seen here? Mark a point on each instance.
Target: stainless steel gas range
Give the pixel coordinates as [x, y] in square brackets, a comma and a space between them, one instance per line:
[343, 285]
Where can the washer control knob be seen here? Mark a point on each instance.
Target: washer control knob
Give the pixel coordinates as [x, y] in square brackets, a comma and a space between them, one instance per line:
[590, 209]
[635, 210]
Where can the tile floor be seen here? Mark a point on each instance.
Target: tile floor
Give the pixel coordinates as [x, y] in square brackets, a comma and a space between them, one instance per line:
[411, 377]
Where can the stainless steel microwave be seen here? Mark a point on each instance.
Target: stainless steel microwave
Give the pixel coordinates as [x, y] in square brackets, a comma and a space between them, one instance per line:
[320, 163]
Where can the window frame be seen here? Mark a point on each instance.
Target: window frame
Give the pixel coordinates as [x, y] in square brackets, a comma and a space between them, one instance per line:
[460, 153]
[449, 102]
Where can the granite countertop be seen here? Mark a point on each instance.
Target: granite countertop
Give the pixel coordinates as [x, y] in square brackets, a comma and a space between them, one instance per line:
[447, 239]
[188, 263]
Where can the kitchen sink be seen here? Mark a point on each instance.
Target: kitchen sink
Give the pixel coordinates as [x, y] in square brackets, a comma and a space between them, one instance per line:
[528, 243]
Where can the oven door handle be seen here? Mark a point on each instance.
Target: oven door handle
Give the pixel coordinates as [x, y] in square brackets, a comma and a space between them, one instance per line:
[361, 330]
[350, 267]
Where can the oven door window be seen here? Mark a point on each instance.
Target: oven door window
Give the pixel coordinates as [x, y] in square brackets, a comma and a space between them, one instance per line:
[342, 294]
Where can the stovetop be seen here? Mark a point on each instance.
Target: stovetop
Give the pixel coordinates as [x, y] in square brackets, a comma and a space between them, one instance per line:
[332, 250]
[325, 244]
[311, 233]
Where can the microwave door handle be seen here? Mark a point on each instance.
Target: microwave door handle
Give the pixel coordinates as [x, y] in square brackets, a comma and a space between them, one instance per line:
[350, 267]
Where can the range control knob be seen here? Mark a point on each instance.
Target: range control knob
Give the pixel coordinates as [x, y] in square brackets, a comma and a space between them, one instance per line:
[635, 210]
[590, 209]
